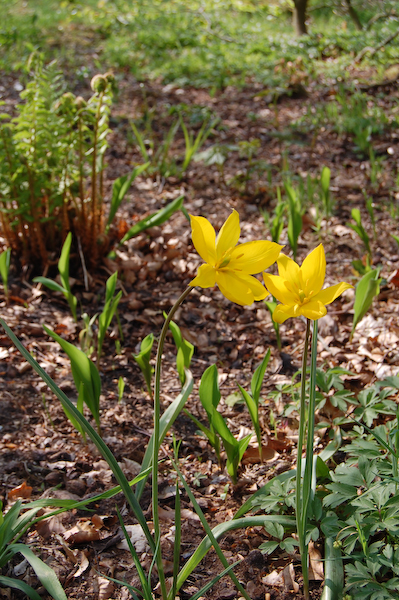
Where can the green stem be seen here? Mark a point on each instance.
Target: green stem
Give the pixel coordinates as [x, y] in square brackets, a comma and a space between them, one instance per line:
[298, 487]
[157, 416]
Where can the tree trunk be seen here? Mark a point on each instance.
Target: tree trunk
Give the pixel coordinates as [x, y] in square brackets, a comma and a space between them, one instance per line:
[353, 15]
[299, 17]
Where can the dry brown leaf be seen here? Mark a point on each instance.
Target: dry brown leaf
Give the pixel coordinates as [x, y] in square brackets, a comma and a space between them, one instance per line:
[137, 537]
[289, 579]
[84, 564]
[22, 491]
[82, 532]
[251, 455]
[316, 570]
[49, 526]
[100, 521]
[186, 513]
[273, 578]
[105, 588]
[166, 514]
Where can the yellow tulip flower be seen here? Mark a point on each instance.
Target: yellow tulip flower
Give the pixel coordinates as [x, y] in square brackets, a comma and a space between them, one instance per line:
[230, 266]
[299, 289]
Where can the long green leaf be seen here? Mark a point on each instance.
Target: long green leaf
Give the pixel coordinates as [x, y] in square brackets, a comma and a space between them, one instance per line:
[45, 574]
[257, 378]
[96, 439]
[210, 535]
[333, 571]
[63, 263]
[17, 584]
[51, 284]
[165, 423]
[154, 220]
[185, 350]
[366, 290]
[84, 372]
[143, 359]
[222, 529]
[209, 391]
[5, 259]
[111, 305]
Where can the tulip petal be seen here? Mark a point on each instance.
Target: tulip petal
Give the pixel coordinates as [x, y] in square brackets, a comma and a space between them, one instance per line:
[277, 288]
[313, 310]
[313, 270]
[229, 235]
[331, 293]
[254, 257]
[282, 312]
[287, 268]
[206, 277]
[203, 236]
[240, 288]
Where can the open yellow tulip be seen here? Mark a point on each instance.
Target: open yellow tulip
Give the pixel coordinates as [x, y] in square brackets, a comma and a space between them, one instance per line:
[230, 266]
[299, 289]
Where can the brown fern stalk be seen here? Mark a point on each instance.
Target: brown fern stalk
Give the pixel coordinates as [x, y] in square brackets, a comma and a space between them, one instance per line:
[94, 195]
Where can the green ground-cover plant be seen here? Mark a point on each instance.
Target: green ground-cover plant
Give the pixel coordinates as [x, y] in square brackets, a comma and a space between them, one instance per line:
[355, 504]
[205, 44]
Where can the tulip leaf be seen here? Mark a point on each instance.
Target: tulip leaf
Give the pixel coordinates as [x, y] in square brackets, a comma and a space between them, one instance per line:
[111, 305]
[85, 375]
[155, 219]
[325, 189]
[209, 394]
[17, 584]
[359, 229]
[185, 350]
[45, 573]
[294, 217]
[63, 268]
[366, 290]
[257, 378]
[143, 359]
[5, 259]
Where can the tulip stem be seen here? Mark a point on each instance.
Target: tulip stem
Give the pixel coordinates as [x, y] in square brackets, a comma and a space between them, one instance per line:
[304, 485]
[157, 416]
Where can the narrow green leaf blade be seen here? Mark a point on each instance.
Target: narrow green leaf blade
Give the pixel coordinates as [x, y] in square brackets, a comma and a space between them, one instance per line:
[45, 574]
[155, 219]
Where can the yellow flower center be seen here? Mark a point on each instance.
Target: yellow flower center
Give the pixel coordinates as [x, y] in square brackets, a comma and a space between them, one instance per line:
[225, 259]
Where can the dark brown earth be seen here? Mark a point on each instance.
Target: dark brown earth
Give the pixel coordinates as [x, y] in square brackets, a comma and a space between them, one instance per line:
[39, 446]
